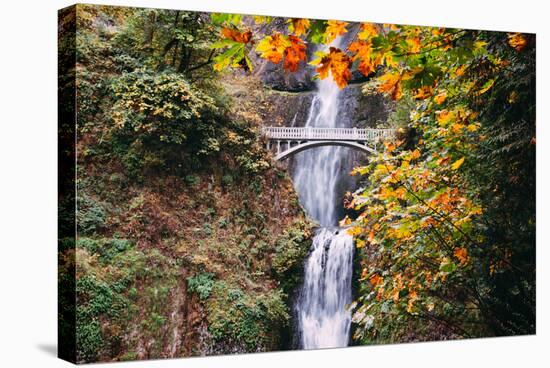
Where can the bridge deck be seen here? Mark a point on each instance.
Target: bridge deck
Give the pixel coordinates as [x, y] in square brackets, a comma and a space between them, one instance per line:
[315, 133]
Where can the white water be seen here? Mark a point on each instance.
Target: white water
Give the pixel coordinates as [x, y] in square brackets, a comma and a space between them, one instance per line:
[322, 317]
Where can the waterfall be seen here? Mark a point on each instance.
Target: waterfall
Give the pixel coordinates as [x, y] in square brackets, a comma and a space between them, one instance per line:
[322, 318]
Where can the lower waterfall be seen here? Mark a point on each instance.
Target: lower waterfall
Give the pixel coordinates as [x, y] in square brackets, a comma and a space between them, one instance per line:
[323, 320]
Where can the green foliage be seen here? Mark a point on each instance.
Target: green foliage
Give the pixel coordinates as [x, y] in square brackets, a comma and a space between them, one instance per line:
[160, 106]
[106, 248]
[192, 180]
[290, 250]
[95, 298]
[245, 318]
[90, 215]
[201, 284]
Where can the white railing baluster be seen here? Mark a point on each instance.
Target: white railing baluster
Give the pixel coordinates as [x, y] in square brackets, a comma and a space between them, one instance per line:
[316, 133]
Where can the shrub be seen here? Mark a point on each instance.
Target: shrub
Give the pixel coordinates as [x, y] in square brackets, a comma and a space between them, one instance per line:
[192, 180]
[201, 284]
[90, 216]
[106, 248]
[95, 298]
[290, 250]
[246, 318]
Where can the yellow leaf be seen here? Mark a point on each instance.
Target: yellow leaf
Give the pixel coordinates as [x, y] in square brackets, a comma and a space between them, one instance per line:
[260, 19]
[334, 29]
[457, 163]
[355, 230]
[487, 86]
[444, 117]
[368, 30]
[345, 221]
[272, 47]
[472, 127]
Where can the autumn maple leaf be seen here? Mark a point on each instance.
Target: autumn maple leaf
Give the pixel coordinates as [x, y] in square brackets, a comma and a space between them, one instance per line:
[423, 92]
[294, 53]
[517, 41]
[334, 29]
[298, 26]
[390, 83]
[440, 98]
[335, 62]
[363, 52]
[462, 255]
[272, 47]
[236, 35]
[414, 45]
[368, 30]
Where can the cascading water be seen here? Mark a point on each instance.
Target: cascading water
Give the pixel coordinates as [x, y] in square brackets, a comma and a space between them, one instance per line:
[322, 318]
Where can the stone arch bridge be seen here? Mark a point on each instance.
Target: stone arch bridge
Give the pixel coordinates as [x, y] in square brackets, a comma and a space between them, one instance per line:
[288, 141]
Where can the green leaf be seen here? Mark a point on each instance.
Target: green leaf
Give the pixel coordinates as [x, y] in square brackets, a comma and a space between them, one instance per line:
[221, 18]
[317, 31]
[447, 266]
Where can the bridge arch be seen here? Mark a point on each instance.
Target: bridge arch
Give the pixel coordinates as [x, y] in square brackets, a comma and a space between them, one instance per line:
[311, 144]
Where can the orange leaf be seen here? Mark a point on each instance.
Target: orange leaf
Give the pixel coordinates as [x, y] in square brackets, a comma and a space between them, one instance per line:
[414, 45]
[517, 41]
[423, 92]
[462, 255]
[295, 53]
[390, 83]
[375, 279]
[363, 52]
[440, 98]
[371, 237]
[236, 35]
[338, 64]
[299, 26]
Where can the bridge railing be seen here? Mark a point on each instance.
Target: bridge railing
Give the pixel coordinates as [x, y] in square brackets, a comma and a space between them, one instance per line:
[315, 133]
